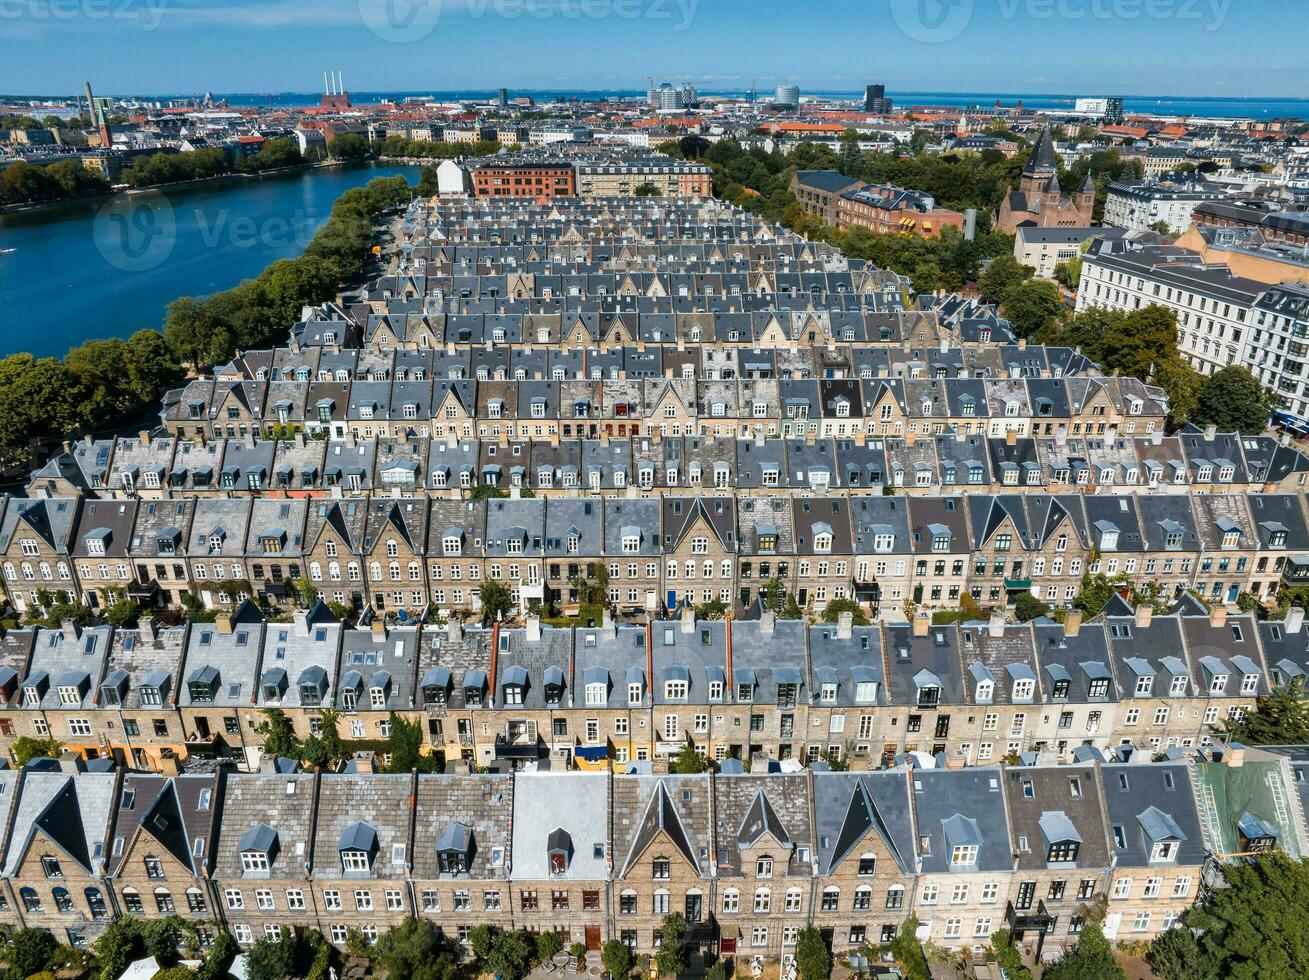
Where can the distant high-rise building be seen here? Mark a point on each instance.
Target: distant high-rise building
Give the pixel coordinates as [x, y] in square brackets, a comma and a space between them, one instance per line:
[667, 98]
[1114, 109]
[504, 98]
[787, 96]
[875, 100]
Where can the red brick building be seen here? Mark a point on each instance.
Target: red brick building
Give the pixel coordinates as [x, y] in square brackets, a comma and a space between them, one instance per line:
[535, 179]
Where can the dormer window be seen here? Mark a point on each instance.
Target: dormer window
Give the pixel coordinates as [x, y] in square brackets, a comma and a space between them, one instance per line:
[1164, 850]
[254, 861]
[1218, 684]
[985, 692]
[963, 854]
[1023, 689]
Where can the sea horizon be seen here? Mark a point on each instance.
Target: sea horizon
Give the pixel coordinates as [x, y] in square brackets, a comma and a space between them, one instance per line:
[1247, 107]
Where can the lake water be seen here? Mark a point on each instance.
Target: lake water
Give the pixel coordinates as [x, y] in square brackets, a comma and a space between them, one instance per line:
[110, 269]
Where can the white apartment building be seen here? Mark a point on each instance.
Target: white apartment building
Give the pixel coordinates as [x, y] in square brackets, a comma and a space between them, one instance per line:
[1214, 308]
[1137, 206]
[1278, 353]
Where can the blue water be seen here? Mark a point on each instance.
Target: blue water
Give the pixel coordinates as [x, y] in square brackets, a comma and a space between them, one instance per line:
[1253, 108]
[108, 270]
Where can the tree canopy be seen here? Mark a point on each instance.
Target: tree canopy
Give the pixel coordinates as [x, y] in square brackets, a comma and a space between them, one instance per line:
[1253, 929]
[1280, 718]
[1233, 400]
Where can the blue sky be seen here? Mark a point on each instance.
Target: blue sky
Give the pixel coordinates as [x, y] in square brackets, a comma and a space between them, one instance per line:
[1154, 47]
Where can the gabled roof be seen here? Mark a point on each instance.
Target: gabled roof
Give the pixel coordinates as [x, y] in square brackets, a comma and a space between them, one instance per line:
[761, 819]
[163, 821]
[660, 815]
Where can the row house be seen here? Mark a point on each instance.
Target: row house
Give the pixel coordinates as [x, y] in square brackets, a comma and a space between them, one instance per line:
[748, 859]
[608, 695]
[784, 399]
[677, 455]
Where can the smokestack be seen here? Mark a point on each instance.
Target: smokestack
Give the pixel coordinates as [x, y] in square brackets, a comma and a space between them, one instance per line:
[326, 89]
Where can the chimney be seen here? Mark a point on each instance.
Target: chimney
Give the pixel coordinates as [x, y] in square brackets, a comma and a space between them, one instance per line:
[454, 630]
[144, 436]
[70, 630]
[301, 619]
[1218, 616]
[995, 627]
[688, 619]
[1235, 755]
[533, 629]
[922, 622]
[71, 762]
[767, 622]
[1011, 437]
[378, 626]
[1210, 432]
[1073, 622]
[955, 760]
[845, 626]
[1294, 620]
[149, 632]
[1144, 613]
[168, 766]
[224, 623]
[363, 762]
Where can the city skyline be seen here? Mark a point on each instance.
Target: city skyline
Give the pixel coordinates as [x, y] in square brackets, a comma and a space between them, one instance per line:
[1205, 48]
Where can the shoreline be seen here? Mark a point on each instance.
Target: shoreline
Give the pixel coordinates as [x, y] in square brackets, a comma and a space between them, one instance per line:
[51, 208]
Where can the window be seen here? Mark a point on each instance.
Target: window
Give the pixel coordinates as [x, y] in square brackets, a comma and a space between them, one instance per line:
[963, 854]
[235, 900]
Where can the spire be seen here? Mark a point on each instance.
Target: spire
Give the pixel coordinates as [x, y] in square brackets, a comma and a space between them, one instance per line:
[1088, 185]
[1043, 156]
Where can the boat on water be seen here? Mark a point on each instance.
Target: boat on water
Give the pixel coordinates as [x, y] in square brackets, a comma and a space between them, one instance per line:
[7, 251]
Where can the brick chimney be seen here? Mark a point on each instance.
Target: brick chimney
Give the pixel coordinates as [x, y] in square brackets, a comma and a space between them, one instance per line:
[1218, 616]
[1073, 622]
[1144, 613]
[922, 623]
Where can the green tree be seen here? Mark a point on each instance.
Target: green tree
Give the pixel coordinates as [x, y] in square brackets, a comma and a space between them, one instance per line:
[907, 951]
[1176, 955]
[219, 957]
[279, 734]
[405, 745]
[1097, 590]
[688, 761]
[1069, 272]
[1028, 607]
[1281, 717]
[189, 329]
[647, 189]
[1031, 306]
[832, 611]
[617, 959]
[122, 942]
[308, 592]
[670, 960]
[812, 958]
[271, 959]
[29, 951]
[27, 747]
[1234, 401]
[510, 956]
[1011, 961]
[480, 938]
[548, 944]
[1182, 384]
[1254, 928]
[427, 182]
[1091, 959]
[414, 950]
[497, 602]
[1003, 273]
[349, 146]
